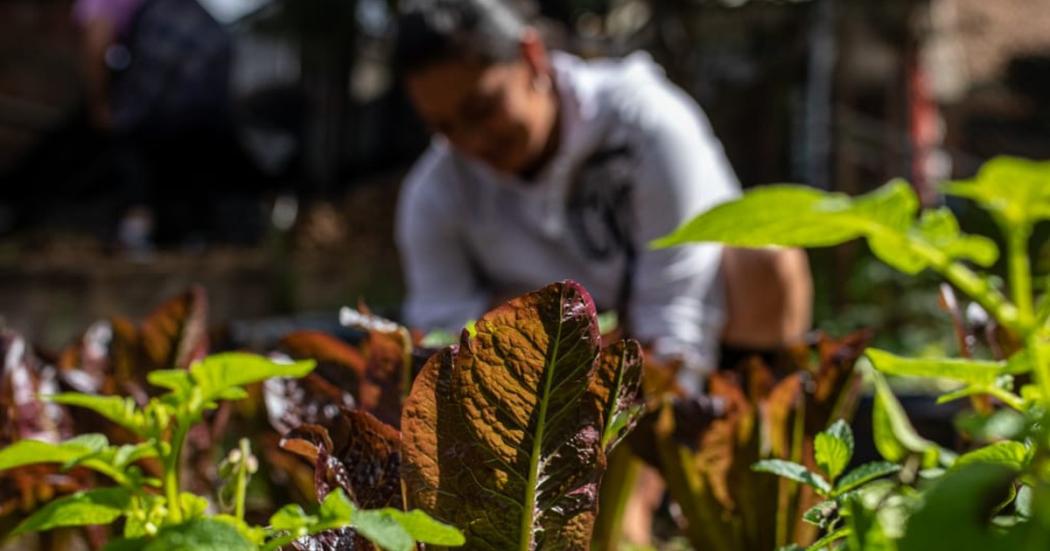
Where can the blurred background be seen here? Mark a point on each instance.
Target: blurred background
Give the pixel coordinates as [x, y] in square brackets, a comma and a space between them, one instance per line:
[256, 146]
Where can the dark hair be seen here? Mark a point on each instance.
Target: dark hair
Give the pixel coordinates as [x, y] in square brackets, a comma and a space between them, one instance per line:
[432, 31]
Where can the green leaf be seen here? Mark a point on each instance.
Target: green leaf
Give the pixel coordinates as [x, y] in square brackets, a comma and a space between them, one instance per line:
[833, 449]
[86, 508]
[793, 471]
[786, 215]
[519, 400]
[864, 474]
[953, 512]
[380, 528]
[974, 372]
[176, 380]
[202, 534]
[1023, 502]
[940, 228]
[798, 216]
[336, 508]
[894, 435]
[217, 374]
[425, 529]
[130, 453]
[821, 513]
[865, 530]
[1015, 190]
[30, 452]
[396, 530]
[193, 505]
[233, 394]
[1013, 455]
[121, 410]
[826, 541]
[254, 534]
[292, 518]
[1004, 424]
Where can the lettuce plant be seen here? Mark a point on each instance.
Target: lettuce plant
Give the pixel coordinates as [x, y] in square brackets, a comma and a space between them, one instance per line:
[706, 460]
[156, 512]
[506, 435]
[1010, 474]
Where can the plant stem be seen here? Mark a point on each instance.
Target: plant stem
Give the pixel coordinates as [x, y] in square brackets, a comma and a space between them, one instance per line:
[976, 288]
[1040, 364]
[1020, 272]
[172, 464]
[1008, 398]
[242, 479]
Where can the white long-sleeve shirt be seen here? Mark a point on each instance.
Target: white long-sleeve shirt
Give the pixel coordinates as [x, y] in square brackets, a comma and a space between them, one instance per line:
[636, 159]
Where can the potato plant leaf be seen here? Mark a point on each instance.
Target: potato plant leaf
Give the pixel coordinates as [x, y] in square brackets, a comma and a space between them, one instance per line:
[940, 228]
[218, 373]
[119, 409]
[822, 512]
[974, 372]
[515, 402]
[28, 452]
[220, 376]
[388, 528]
[819, 514]
[799, 216]
[864, 474]
[85, 508]
[826, 541]
[793, 471]
[201, 534]
[1013, 189]
[833, 448]
[895, 437]
[962, 499]
[1013, 455]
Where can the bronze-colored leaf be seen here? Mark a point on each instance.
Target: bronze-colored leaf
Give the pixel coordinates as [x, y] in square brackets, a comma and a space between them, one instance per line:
[617, 385]
[23, 378]
[307, 441]
[291, 403]
[175, 334]
[356, 452]
[337, 362]
[502, 434]
[384, 375]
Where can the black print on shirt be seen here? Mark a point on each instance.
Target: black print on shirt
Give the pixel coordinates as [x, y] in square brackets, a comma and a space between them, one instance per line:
[599, 203]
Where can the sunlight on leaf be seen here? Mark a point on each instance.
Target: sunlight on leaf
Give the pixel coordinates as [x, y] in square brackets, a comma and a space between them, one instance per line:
[793, 471]
[87, 508]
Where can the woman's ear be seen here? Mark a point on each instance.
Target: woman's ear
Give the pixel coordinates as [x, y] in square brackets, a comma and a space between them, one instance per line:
[534, 52]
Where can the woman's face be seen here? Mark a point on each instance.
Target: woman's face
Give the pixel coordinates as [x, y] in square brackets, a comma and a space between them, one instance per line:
[502, 114]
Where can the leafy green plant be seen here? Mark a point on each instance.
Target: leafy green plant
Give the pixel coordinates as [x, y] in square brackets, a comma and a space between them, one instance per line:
[1017, 194]
[156, 512]
[832, 452]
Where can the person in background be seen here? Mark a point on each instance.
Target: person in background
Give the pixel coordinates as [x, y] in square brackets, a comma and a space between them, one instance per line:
[547, 167]
[544, 166]
[157, 83]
